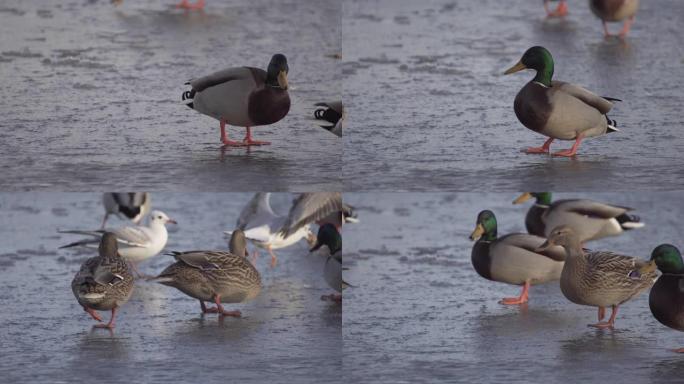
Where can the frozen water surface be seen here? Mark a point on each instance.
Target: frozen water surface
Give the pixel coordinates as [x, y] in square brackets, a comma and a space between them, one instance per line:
[92, 95]
[420, 312]
[430, 109]
[287, 334]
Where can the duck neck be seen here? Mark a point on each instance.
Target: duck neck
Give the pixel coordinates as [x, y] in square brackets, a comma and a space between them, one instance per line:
[544, 198]
[545, 72]
[573, 250]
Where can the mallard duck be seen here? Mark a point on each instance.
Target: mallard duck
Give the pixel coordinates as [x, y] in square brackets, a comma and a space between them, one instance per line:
[136, 243]
[215, 276]
[615, 10]
[561, 11]
[132, 205]
[330, 237]
[590, 219]
[597, 278]
[243, 96]
[513, 258]
[185, 4]
[333, 113]
[666, 299]
[104, 282]
[558, 109]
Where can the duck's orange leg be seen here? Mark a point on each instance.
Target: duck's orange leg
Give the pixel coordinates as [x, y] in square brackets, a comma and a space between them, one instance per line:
[610, 322]
[92, 313]
[223, 312]
[249, 141]
[520, 299]
[109, 325]
[543, 149]
[224, 137]
[561, 11]
[626, 27]
[185, 4]
[572, 151]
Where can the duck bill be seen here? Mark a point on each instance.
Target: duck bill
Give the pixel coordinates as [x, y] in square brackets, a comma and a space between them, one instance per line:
[547, 244]
[282, 80]
[477, 233]
[519, 66]
[648, 268]
[522, 198]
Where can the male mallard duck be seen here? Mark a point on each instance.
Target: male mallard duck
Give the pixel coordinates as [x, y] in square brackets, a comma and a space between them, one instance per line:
[513, 258]
[590, 219]
[133, 205]
[136, 243]
[615, 10]
[561, 11]
[243, 96]
[599, 279]
[215, 276]
[185, 4]
[104, 282]
[558, 109]
[666, 299]
[329, 236]
[333, 113]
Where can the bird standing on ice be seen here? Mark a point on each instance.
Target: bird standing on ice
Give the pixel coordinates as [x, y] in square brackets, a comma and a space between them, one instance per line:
[244, 97]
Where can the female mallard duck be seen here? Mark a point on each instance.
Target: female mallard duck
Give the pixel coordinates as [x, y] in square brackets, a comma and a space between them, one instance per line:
[561, 11]
[104, 282]
[218, 276]
[615, 10]
[558, 109]
[599, 279]
[589, 219]
[329, 236]
[666, 299]
[513, 258]
[243, 96]
[333, 113]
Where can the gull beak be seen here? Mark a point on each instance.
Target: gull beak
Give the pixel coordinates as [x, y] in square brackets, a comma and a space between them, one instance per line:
[547, 244]
[282, 80]
[477, 233]
[519, 66]
[171, 221]
[522, 198]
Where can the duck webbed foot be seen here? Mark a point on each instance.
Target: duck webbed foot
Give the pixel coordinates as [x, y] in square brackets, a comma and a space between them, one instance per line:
[543, 149]
[561, 10]
[249, 141]
[520, 299]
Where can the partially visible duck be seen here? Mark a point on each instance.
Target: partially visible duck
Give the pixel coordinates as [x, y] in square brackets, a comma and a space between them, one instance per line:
[329, 238]
[590, 219]
[333, 113]
[615, 10]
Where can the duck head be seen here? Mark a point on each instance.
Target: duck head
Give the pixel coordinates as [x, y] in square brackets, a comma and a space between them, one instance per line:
[562, 235]
[329, 236]
[238, 243]
[539, 59]
[668, 259]
[541, 197]
[485, 227]
[277, 72]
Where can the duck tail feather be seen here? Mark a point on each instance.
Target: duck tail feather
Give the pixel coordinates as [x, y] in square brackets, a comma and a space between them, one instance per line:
[628, 222]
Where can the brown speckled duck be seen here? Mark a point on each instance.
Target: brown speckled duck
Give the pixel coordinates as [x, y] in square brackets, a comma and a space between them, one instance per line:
[215, 276]
[615, 10]
[104, 282]
[513, 258]
[666, 299]
[599, 279]
[557, 109]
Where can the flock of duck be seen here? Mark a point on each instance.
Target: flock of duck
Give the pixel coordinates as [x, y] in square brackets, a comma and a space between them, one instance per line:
[552, 250]
[106, 281]
[561, 110]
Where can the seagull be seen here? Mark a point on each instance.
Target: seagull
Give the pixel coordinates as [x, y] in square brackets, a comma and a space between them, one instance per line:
[332, 112]
[136, 243]
[261, 225]
[133, 205]
[319, 208]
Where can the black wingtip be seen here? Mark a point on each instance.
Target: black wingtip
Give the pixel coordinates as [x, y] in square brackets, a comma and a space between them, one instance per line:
[611, 98]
